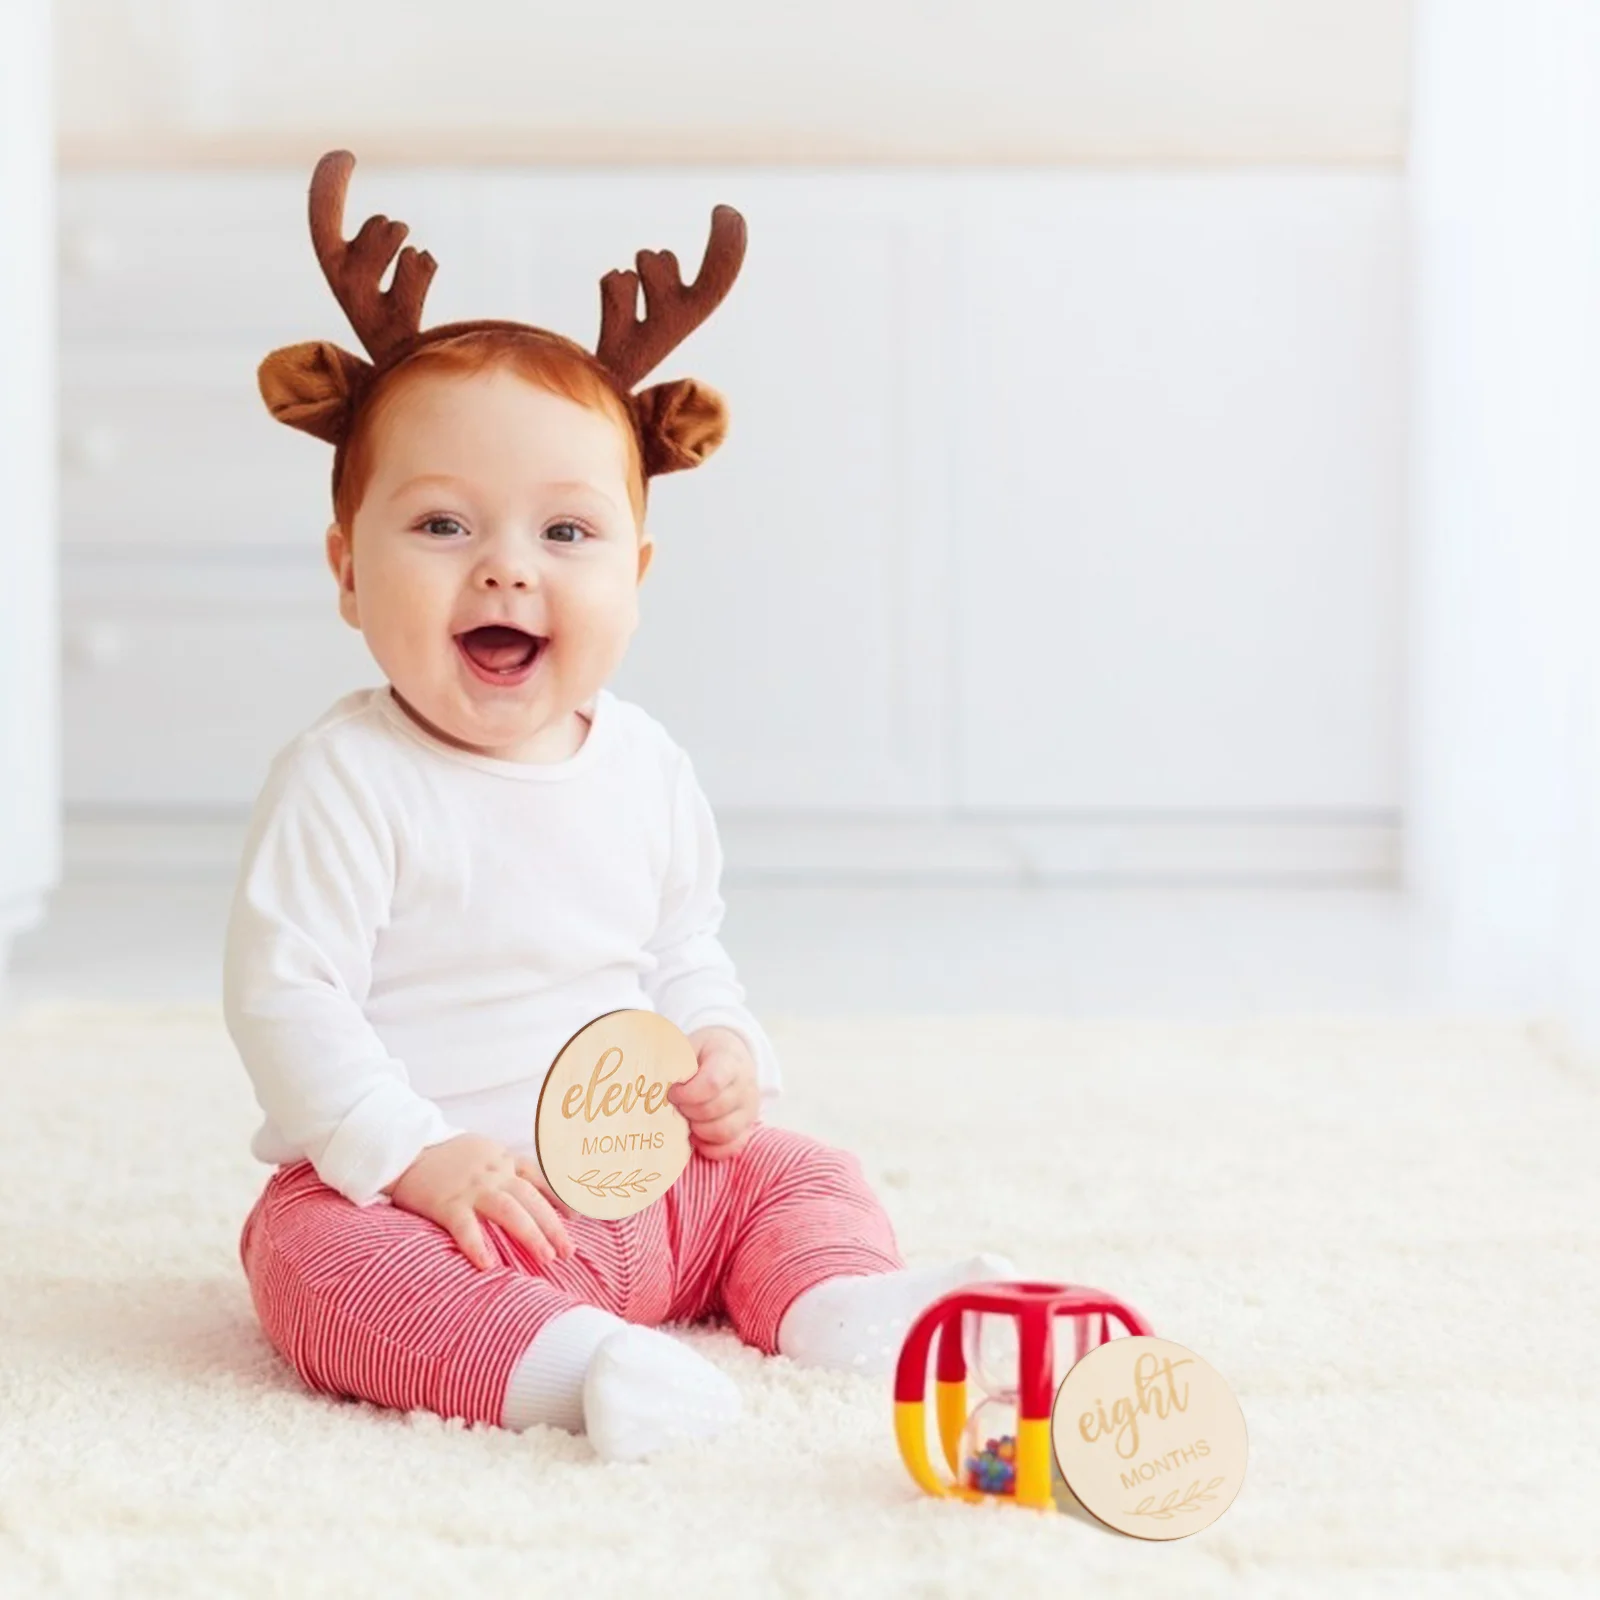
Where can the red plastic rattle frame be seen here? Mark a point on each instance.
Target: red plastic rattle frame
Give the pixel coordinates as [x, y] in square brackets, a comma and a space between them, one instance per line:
[1035, 1306]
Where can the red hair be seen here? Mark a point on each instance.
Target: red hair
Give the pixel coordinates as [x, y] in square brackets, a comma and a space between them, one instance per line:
[544, 359]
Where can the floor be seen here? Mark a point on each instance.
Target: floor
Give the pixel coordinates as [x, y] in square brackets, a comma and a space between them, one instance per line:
[1380, 1233]
[1337, 1202]
[834, 949]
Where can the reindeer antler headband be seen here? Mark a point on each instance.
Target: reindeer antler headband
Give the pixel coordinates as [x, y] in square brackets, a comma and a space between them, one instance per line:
[318, 387]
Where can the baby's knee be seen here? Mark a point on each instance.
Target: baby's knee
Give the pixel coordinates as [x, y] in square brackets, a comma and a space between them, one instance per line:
[788, 1147]
[801, 1165]
[408, 1327]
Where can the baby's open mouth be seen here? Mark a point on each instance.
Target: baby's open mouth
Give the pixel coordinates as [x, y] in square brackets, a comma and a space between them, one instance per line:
[500, 650]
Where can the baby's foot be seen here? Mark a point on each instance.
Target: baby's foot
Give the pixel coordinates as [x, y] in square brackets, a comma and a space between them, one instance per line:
[858, 1324]
[645, 1391]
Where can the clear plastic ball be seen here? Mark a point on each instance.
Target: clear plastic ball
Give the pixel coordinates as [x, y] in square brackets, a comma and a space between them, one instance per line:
[989, 1448]
[989, 1345]
[989, 1342]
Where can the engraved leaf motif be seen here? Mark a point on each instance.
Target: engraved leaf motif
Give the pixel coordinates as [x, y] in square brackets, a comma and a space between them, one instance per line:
[614, 1185]
[1193, 1498]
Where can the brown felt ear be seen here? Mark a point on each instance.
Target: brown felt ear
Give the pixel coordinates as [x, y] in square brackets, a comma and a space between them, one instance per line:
[311, 386]
[681, 422]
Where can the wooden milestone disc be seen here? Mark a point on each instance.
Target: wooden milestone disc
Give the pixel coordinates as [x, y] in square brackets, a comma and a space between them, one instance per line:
[1149, 1438]
[608, 1139]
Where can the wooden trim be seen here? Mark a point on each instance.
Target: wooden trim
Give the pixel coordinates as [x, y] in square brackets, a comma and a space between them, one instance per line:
[673, 147]
[1336, 848]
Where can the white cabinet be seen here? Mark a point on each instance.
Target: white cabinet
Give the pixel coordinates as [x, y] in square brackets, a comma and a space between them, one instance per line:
[1062, 497]
[795, 633]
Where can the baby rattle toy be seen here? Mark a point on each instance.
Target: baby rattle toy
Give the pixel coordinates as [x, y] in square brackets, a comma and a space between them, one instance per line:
[609, 1141]
[1141, 1432]
[1014, 1463]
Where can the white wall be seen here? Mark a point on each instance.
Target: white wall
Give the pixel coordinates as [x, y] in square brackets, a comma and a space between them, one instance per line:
[29, 733]
[1505, 768]
[1159, 82]
[1105, 527]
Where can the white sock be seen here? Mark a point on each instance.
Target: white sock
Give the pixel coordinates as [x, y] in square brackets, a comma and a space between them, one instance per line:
[547, 1385]
[646, 1391]
[858, 1324]
[633, 1390]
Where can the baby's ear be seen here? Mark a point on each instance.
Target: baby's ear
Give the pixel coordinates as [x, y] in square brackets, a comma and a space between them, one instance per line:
[310, 386]
[682, 423]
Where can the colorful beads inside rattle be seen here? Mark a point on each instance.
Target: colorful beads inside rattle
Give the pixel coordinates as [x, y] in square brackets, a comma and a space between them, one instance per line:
[994, 1469]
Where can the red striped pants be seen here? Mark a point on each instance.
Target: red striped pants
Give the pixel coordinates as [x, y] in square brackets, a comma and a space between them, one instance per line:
[378, 1303]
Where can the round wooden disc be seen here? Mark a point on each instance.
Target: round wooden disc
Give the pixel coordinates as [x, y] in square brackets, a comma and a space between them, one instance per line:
[608, 1139]
[1149, 1438]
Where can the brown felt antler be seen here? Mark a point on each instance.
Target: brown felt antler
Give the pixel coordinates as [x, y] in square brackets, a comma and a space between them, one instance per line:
[318, 387]
[631, 346]
[384, 319]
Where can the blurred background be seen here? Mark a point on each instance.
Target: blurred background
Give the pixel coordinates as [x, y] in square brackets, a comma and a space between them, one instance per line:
[1153, 568]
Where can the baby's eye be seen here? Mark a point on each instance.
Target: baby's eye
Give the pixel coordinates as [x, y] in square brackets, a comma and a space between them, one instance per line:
[559, 528]
[432, 523]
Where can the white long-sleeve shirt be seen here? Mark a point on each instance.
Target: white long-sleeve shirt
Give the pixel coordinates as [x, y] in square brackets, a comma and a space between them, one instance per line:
[416, 930]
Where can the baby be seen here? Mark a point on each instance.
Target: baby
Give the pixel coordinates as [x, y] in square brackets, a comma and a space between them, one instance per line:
[446, 877]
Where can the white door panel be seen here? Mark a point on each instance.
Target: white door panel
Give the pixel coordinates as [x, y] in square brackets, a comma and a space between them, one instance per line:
[1179, 556]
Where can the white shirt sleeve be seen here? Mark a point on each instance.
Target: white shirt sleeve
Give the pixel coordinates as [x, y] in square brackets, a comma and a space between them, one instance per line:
[315, 886]
[693, 983]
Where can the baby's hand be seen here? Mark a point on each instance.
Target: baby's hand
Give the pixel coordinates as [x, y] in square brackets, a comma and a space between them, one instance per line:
[722, 1099]
[455, 1182]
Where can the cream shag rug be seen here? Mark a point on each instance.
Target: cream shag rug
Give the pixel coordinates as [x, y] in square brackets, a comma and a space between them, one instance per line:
[1384, 1235]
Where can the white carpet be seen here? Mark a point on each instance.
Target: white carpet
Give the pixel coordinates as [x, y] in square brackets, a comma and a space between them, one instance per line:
[1384, 1235]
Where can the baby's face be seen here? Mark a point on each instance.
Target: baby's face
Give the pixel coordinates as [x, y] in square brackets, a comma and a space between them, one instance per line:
[495, 563]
